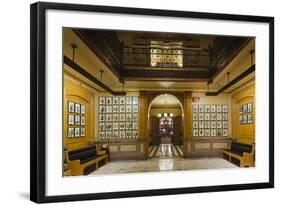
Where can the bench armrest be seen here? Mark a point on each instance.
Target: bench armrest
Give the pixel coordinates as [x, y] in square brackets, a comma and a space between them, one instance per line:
[101, 152]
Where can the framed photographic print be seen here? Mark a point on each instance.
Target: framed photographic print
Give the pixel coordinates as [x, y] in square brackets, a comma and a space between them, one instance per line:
[70, 132]
[77, 119]
[102, 100]
[245, 119]
[101, 126]
[122, 100]
[201, 108]
[82, 131]
[135, 117]
[122, 108]
[218, 108]
[213, 116]
[241, 119]
[108, 100]
[82, 120]
[77, 132]
[250, 119]
[108, 117]
[70, 119]
[207, 108]
[201, 133]
[128, 108]
[195, 116]
[101, 117]
[194, 108]
[135, 108]
[207, 116]
[224, 116]
[115, 100]
[115, 108]
[219, 116]
[77, 108]
[245, 108]
[109, 108]
[122, 126]
[135, 100]
[115, 117]
[219, 132]
[83, 109]
[207, 124]
[59, 31]
[102, 109]
[195, 124]
[213, 132]
[71, 106]
[213, 108]
[207, 133]
[195, 133]
[128, 100]
[135, 134]
[250, 107]
[122, 117]
[102, 135]
[224, 108]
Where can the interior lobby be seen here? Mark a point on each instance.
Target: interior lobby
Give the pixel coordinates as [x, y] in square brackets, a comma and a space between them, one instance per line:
[139, 101]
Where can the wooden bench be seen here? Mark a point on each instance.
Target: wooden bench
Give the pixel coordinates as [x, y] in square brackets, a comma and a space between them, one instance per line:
[85, 160]
[240, 154]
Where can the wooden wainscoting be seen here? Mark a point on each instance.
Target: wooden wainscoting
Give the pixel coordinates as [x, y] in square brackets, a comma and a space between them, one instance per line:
[126, 150]
[206, 147]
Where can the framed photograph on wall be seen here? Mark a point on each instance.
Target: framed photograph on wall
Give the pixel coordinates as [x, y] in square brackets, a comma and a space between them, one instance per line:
[47, 102]
[71, 107]
[83, 109]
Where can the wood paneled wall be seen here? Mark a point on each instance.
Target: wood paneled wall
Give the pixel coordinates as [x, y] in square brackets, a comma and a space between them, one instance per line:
[75, 92]
[243, 132]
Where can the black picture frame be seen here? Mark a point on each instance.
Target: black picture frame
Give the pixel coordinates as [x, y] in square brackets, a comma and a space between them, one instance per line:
[38, 101]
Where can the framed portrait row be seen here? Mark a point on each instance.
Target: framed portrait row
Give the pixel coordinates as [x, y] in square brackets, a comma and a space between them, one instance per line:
[119, 100]
[210, 132]
[246, 119]
[246, 108]
[119, 135]
[75, 132]
[76, 108]
[209, 108]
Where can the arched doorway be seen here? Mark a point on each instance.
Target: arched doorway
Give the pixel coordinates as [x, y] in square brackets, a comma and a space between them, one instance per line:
[165, 124]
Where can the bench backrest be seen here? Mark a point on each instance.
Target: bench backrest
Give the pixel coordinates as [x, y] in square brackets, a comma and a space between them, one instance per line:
[240, 147]
[82, 153]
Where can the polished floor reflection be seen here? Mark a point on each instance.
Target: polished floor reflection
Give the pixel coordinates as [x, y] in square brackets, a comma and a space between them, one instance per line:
[163, 164]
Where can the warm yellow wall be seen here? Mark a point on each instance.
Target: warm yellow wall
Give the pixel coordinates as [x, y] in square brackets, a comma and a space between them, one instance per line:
[75, 91]
[244, 132]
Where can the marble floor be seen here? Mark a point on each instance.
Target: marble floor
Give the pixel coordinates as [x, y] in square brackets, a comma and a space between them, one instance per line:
[163, 164]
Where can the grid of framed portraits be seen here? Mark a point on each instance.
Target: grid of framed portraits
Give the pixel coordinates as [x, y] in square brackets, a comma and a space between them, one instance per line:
[209, 120]
[118, 117]
[76, 120]
[246, 113]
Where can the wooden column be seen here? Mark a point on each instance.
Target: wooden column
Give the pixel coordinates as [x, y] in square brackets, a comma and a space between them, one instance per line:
[143, 123]
[187, 132]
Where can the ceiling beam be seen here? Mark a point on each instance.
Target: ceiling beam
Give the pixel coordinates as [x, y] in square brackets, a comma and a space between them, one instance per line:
[89, 76]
